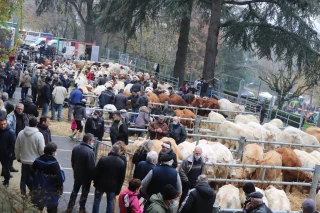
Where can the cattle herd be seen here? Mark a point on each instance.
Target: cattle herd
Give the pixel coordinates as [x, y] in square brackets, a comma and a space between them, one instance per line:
[230, 123]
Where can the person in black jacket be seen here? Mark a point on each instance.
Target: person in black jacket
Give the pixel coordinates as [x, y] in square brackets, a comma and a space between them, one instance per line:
[134, 104]
[141, 152]
[200, 199]
[143, 167]
[7, 143]
[256, 204]
[191, 89]
[168, 151]
[204, 88]
[108, 178]
[248, 188]
[121, 101]
[43, 127]
[119, 129]
[29, 107]
[82, 161]
[9, 107]
[103, 80]
[79, 115]
[46, 96]
[48, 180]
[95, 125]
[177, 130]
[106, 97]
[261, 108]
[142, 100]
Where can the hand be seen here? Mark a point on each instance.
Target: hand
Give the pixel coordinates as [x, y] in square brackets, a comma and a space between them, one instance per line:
[248, 205]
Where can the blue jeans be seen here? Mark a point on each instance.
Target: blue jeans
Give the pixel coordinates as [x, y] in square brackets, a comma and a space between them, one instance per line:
[45, 109]
[97, 200]
[134, 117]
[27, 175]
[53, 110]
[24, 92]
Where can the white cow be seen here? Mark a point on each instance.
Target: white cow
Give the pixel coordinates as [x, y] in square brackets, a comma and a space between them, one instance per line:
[245, 119]
[127, 88]
[305, 137]
[227, 105]
[213, 116]
[228, 197]
[252, 154]
[307, 160]
[277, 122]
[186, 148]
[277, 199]
[109, 107]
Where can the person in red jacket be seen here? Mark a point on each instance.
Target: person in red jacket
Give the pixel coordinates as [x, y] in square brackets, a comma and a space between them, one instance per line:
[90, 75]
[128, 199]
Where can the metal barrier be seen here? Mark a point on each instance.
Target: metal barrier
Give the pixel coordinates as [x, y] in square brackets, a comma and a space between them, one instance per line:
[216, 209]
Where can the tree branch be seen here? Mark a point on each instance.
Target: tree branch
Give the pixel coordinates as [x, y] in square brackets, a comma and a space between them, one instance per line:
[78, 11]
[247, 2]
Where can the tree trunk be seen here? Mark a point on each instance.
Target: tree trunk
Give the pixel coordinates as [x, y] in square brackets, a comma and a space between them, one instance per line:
[99, 36]
[212, 41]
[89, 25]
[183, 42]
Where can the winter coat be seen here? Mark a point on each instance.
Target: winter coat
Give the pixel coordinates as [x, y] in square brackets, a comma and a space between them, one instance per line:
[45, 132]
[182, 95]
[129, 199]
[103, 81]
[177, 132]
[143, 118]
[199, 200]
[121, 101]
[75, 96]
[192, 90]
[138, 157]
[90, 76]
[106, 97]
[79, 111]
[29, 145]
[9, 79]
[204, 88]
[122, 131]
[142, 101]
[15, 77]
[7, 142]
[109, 174]
[47, 181]
[261, 208]
[170, 153]
[46, 93]
[59, 93]
[9, 107]
[153, 130]
[26, 81]
[158, 205]
[30, 108]
[2, 76]
[186, 166]
[12, 121]
[34, 81]
[134, 101]
[142, 169]
[82, 161]
[95, 126]
[136, 86]
[184, 89]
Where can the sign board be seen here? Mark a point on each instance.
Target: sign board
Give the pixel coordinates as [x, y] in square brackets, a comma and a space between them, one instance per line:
[95, 53]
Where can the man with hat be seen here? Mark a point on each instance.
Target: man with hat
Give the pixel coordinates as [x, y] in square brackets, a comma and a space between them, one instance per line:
[256, 204]
[106, 97]
[119, 129]
[135, 104]
[167, 150]
[158, 129]
[308, 206]
[248, 188]
[103, 80]
[95, 125]
[163, 201]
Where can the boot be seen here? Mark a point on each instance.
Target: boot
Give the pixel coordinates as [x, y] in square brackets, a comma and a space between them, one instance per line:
[73, 134]
[11, 167]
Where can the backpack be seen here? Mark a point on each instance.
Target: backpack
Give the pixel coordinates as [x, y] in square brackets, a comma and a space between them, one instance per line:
[127, 203]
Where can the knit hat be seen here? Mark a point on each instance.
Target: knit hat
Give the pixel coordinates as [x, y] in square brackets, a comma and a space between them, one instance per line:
[258, 195]
[109, 88]
[308, 205]
[165, 158]
[248, 188]
[169, 192]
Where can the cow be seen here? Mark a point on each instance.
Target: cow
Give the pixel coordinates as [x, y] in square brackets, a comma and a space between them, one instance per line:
[163, 98]
[252, 154]
[277, 122]
[216, 117]
[264, 199]
[306, 138]
[176, 99]
[228, 106]
[315, 131]
[290, 159]
[245, 119]
[277, 199]
[153, 98]
[188, 114]
[228, 197]
[307, 160]
[186, 148]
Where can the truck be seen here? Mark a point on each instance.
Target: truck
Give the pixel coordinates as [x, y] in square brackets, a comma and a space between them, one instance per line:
[31, 37]
[44, 39]
[60, 44]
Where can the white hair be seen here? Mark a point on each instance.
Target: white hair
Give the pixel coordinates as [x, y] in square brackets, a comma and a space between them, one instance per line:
[169, 163]
[152, 156]
[257, 199]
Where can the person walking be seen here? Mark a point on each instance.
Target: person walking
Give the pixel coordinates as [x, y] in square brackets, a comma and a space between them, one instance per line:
[74, 98]
[9, 79]
[7, 143]
[190, 169]
[15, 82]
[82, 161]
[200, 199]
[25, 84]
[34, 85]
[142, 120]
[79, 115]
[2, 76]
[256, 204]
[128, 199]
[177, 130]
[17, 121]
[121, 101]
[164, 201]
[46, 96]
[48, 180]
[95, 125]
[158, 129]
[29, 146]
[134, 105]
[143, 167]
[106, 97]
[43, 127]
[108, 178]
[167, 150]
[59, 93]
[119, 129]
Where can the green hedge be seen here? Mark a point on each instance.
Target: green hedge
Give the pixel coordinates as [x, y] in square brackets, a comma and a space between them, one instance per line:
[292, 117]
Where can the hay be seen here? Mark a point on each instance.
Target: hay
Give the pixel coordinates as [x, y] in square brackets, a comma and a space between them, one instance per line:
[296, 198]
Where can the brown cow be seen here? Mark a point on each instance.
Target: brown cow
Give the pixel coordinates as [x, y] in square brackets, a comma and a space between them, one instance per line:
[189, 98]
[210, 103]
[176, 99]
[163, 98]
[290, 159]
[189, 114]
[153, 98]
